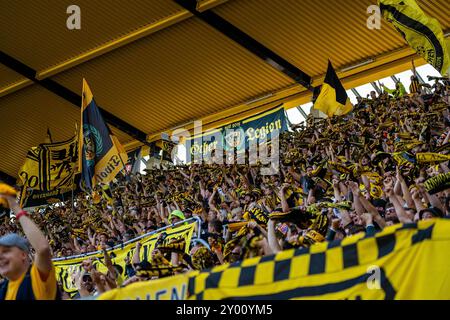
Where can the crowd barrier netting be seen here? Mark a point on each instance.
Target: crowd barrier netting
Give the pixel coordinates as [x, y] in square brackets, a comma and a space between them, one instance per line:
[66, 266]
[409, 261]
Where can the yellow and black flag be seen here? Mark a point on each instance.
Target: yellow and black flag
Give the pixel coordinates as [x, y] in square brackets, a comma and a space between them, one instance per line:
[50, 166]
[422, 33]
[101, 157]
[48, 171]
[333, 99]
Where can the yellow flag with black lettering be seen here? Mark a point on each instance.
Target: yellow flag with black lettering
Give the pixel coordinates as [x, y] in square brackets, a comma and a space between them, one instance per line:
[101, 154]
[333, 99]
[422, 33]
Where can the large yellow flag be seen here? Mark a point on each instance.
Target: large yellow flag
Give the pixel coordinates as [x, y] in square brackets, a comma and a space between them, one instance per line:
[423, 34]
[333, 99]
[402, 262]
[101, 155]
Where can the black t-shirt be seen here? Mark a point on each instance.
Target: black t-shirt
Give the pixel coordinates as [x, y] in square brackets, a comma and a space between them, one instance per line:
[307, 184]
[204, 231]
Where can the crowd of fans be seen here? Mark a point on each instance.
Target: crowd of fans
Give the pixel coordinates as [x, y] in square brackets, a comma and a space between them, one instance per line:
[337, 177]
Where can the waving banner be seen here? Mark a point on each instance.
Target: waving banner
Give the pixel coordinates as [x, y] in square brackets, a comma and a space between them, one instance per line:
[101, 156]
[36, 198]
[66, 268]
[48, 174]
[406, 261]
[237, 135]
[424, 34]
[50, 165]
[172, 288]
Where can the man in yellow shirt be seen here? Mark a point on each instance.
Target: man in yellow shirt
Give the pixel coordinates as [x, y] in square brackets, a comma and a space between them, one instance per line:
[26, 279]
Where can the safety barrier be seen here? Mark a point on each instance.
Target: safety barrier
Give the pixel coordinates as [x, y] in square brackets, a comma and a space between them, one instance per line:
[197, 239]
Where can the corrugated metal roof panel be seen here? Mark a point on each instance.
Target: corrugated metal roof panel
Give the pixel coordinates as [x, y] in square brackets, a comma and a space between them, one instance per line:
[25, 117]
[178, 74]
[35, 32]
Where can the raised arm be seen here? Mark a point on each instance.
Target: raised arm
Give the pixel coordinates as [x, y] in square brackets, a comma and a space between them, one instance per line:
[211, 203]
[399, 210]
[282, 197]
[356, 198]
[336, 190]
[370, 208]
[43, 258]
[76, 244]
[432, 199]
[108, 263]
[405, 190]
[294, 174]
[416, 196]
[273, 242]
[136, 256]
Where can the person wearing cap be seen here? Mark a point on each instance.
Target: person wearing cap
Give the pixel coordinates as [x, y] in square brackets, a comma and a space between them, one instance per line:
[176, 216]
[26, 280]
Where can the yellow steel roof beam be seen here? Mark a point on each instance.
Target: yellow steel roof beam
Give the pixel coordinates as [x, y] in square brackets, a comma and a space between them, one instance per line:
[22, 83]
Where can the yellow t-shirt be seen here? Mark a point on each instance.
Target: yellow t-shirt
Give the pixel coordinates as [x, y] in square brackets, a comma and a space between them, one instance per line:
[42, 290]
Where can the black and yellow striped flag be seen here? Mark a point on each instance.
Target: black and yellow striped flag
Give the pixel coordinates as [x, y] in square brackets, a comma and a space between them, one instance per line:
[333, 99]
[422, 33]
[382, 266]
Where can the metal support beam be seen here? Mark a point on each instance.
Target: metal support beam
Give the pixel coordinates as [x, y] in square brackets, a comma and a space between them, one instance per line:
[69, 95]
[421, 81]
[355, 92]
[247, 42]
[302, 112]
[395, 79]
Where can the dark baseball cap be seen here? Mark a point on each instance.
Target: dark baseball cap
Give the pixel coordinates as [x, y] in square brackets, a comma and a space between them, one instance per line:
[14, 240]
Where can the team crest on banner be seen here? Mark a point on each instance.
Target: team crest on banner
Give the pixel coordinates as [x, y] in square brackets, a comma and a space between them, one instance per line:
[93, 145]
[239, 135]
[235, 139]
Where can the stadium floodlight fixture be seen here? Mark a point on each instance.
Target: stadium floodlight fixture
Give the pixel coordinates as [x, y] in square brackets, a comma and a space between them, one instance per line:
[357, 65]
[275, 64]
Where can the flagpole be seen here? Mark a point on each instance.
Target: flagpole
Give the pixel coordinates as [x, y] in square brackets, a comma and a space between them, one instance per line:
[123, 165]
[77, 134]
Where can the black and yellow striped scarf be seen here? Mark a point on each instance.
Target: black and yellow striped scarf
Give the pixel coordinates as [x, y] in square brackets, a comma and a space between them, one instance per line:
[438, 183]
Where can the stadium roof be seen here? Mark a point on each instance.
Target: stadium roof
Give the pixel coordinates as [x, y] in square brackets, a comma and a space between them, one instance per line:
[157, 65]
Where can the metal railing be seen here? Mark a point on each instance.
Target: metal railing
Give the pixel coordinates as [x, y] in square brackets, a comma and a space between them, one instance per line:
[121, 245]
